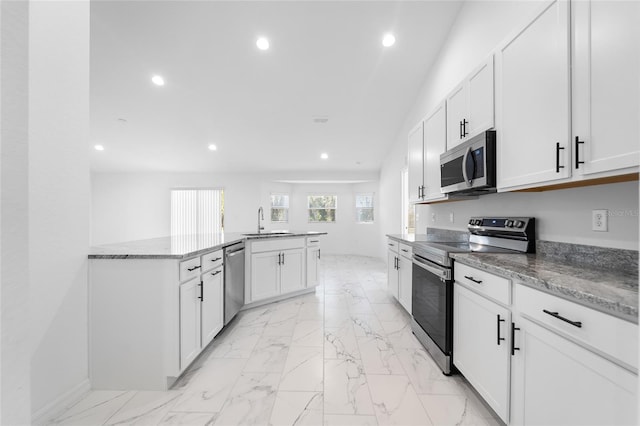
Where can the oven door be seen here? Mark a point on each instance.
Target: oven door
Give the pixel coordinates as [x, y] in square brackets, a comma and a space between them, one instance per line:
[432, 303]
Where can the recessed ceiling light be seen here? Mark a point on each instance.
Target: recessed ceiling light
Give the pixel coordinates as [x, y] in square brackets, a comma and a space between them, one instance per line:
[98, 147]
[157, 80]
[324, 156]
[388, 40]
[212, 147]
[262, 43]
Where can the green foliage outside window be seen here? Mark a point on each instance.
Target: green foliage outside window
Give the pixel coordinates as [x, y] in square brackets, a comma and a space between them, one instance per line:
[322, 208]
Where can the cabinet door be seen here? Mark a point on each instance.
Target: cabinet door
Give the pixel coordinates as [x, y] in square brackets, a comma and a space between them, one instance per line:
[292, 271]
[555, 381]
[212, 304]
[483, 359]
[435, 143]
[313, 266]
[189, 322]
[606, 95]
[457, 111]
[404, 282]
[265, 275]
[481, 104]
[415, 155]
[533, 101]
[392, 274]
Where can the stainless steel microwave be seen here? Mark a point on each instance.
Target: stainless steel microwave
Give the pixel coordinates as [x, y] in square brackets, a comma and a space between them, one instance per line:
[470, 168]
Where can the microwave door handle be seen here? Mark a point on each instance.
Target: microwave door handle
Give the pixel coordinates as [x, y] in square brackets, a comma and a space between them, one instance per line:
[465, 158]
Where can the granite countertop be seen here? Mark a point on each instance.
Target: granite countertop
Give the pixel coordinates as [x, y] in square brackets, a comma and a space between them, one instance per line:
[409, 238]
[611, 292]
[181, 246]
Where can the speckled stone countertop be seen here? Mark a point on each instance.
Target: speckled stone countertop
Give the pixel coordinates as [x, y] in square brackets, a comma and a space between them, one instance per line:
[181, 246]
[611, 292]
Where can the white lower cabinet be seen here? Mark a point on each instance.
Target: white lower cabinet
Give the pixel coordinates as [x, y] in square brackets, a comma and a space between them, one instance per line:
[313, 266]
[392, 273]
[556, 381]
[189, 321]
[405, 267]
[542, 360]
[291, 271]
[399, 271]
[277, 267]
[212, 304]
[481, 346]
[265, 275]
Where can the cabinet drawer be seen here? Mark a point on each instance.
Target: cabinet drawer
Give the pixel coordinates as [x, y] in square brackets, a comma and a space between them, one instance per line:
[189, 269]
[276, 244]
[211, 260]
[405, 250]
[392, 245]
[313, 241]
[610, 335]
[483, 282]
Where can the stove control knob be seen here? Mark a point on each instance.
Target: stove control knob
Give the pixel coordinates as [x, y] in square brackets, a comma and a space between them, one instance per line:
[472, 222]
[519, 224]
[509, 223]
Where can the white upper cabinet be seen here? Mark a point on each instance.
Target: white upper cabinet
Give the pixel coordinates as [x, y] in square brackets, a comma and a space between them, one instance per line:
[606, 86]
[533, 101]
[435, 143]
[470, 106]
[414, 160]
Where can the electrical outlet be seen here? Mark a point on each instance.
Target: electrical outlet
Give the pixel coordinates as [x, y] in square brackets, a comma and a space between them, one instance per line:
[433, 217]
[451, 217]
[599, 220]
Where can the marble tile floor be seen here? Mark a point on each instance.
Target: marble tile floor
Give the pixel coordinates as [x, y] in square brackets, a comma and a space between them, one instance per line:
[341, 356]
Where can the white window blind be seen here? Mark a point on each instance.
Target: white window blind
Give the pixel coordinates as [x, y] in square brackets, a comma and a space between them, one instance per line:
[197, 211]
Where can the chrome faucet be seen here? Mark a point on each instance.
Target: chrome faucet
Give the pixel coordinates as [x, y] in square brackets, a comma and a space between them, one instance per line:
[260, 216]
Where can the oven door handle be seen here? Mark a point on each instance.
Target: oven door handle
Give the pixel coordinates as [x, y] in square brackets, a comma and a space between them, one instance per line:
[440, 273]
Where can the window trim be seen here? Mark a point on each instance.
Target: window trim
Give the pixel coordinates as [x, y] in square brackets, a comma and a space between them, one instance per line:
[373, 207]
[335, 209]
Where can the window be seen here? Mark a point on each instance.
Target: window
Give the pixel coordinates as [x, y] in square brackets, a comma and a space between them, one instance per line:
[197, 211]
[408, 209]
[322, 208]
[279, 208]
[364, 208]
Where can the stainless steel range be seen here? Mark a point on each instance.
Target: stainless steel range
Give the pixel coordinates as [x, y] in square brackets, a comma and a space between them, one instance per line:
[432, 277]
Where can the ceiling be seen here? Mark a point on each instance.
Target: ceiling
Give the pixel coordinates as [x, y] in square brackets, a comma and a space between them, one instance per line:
[258, 107]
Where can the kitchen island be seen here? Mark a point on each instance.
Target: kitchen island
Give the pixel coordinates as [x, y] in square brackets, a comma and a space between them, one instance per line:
[155, 304]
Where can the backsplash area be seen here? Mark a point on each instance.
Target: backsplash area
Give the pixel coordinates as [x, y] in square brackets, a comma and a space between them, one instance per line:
[561, 215]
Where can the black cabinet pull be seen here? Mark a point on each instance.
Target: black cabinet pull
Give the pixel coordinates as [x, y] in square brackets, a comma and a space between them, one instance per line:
[473, 279]
[313, 241]
[216, 259]
[464, 128]
[578, 142]
[461, 130]
[513, 339]
[556, 315]
[193, 269]
[283, 258]
[279, 258]
[558, 166]
[318, 253]
[201, 297]
[215, 273]
[499, 321]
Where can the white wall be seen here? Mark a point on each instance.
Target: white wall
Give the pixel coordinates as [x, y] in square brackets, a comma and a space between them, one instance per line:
[131, 206]
[58, 198]
[15, 348]
[562, 215]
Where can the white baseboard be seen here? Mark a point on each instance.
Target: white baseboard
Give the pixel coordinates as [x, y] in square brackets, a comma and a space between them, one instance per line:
[60, 404]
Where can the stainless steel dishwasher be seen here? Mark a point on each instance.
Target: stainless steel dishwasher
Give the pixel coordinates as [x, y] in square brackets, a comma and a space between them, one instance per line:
[233, 280]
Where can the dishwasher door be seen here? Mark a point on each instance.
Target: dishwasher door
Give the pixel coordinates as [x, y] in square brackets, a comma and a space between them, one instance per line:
[233, 280]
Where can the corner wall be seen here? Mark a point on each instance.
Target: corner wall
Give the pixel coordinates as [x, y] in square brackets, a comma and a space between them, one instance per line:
[58, 190]
[562, 215]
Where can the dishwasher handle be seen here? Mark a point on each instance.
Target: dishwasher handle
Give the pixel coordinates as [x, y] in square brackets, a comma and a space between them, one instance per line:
[235, 253]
